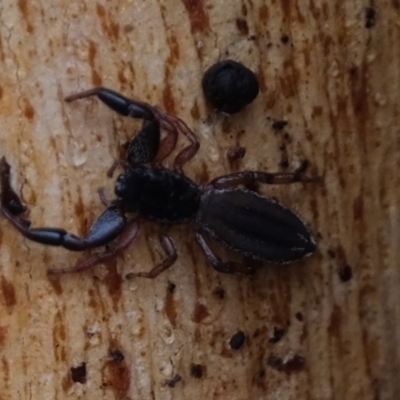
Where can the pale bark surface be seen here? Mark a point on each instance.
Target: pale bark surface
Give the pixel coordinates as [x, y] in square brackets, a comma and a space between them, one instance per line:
[333, 79]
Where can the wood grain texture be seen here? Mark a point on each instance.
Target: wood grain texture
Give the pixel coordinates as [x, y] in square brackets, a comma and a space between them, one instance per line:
[329, 68]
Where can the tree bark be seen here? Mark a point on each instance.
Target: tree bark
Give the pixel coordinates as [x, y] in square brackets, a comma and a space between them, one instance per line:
[327, 327]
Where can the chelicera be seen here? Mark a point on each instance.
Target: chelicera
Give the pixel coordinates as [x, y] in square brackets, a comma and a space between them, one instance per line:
[253, 225]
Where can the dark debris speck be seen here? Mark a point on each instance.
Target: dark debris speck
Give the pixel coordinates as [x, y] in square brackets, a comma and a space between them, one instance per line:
[237, 340]
[370, 17]
[197, 370]
[173, 381]
[78, 374]
[279, 125]
[331, 253]
[284, 39]
[294, 364]
[116, 356]
[274, 362]
[236, 153]
[345, 273]
[219, 292]
[242, 26]
[284, 163]
[299, 316]
[171, 287]
[278, 335]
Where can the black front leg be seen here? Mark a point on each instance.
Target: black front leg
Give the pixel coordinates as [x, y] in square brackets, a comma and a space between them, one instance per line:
[139, 109]
[119, 103]
[129, 233]
[106, 228]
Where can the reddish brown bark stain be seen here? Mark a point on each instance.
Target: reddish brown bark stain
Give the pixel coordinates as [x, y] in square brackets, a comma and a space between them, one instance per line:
[300, 16]
[195, 112]
[200, 312]
[1, 49]
[264, 14]
[242, 26]
[8, 290]
[113, 30]
[29, 111]
[119, 380]
[59, 337]
[67, 382]
[169, 102]
[270, 98]
[116, 374]
[289, 80]
[226, 353]
[92, 299]
[198, 17]
[259, 375]
[6, 372]
[22, 4]
[122, 78]
[358, 208]
[109, 27]
[79, 209]
[168, 99]
[96, 80]
[174, 49]
[3, 334]
[203, 175]
[326, 41]
[113, 281]
[317, 112]
[335, 324]
[56, 284]
[286, 5]
[92, 52]
[279, 298]
[1, 92]
[101, 12]
[315, 11]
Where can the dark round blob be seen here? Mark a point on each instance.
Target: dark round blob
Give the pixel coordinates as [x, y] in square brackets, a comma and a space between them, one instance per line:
[345, 273]
[237, 340]
[197, 370]
[78, 374]
[229, 86]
